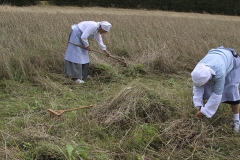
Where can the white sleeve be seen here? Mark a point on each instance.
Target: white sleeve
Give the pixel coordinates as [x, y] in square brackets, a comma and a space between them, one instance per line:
[86, 33]
[85, 40]
[211, 106]
[198, 96]
[98, 37]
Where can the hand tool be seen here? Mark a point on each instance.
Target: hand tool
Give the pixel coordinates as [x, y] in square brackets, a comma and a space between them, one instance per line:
[59, 112]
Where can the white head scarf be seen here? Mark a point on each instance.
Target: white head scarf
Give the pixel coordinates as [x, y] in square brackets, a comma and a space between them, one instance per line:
[105, 25]
[201, 74]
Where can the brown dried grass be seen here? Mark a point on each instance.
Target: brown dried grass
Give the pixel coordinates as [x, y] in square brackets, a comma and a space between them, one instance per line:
[161, 41]
[133, 104]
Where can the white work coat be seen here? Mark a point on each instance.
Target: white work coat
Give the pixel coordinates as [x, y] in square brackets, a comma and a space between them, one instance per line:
[79, 35]
[224, 84]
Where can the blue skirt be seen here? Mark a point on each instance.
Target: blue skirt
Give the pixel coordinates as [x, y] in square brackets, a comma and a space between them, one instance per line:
[75, 70]
[76, 58]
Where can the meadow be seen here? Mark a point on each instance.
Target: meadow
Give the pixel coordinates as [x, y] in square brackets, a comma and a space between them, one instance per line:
[142, 111]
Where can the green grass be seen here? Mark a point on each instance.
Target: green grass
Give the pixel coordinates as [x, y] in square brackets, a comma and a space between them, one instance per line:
[28, 127]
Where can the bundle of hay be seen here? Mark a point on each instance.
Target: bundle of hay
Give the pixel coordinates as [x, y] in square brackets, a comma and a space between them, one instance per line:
[135, 103]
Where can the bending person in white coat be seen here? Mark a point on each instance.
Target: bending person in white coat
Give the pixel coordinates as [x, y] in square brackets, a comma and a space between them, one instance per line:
[216, 79]
[76, 58]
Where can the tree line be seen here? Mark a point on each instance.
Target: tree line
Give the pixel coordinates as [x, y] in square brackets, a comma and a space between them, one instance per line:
[224, 7]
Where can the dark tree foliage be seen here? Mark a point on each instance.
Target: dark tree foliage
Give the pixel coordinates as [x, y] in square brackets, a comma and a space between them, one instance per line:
[19, 2]
[227, 7]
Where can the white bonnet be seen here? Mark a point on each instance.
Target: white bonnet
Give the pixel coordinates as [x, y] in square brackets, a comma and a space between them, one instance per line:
[105, 25]
[201, 74]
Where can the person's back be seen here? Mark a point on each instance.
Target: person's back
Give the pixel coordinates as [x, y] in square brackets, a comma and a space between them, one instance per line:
[86, 25]
[220, 60]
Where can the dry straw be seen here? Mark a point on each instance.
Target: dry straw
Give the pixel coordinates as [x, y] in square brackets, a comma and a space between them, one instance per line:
[133, 104]
[160, 41]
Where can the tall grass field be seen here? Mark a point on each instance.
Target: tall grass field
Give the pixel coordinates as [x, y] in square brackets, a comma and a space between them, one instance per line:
[142, 111]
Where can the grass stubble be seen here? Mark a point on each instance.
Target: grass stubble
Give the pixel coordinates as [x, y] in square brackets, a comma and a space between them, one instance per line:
[143, 111]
